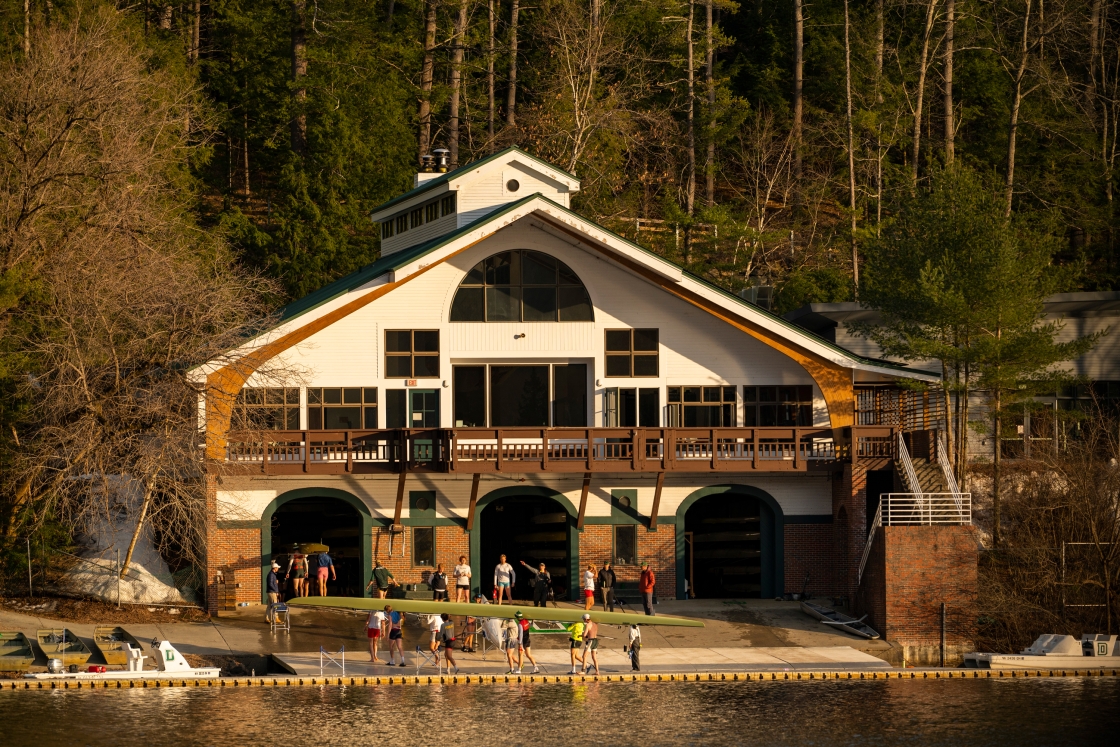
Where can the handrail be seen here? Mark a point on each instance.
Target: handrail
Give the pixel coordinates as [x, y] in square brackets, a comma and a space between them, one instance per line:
[950, 478]
[875, 524]
[912, 509]
[908, 472]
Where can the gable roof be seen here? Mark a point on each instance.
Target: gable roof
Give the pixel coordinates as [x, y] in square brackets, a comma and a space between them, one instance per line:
[404, 258]
[463, 170]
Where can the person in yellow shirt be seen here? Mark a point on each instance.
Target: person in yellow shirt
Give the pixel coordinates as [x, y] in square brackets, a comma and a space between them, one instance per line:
[575, 642]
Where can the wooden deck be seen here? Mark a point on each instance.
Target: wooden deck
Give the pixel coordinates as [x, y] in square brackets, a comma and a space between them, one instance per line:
[574, 450]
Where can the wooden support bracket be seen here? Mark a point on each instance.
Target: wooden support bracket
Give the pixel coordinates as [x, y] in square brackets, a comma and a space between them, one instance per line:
[474, 502]
[656, 500]
[583, 500]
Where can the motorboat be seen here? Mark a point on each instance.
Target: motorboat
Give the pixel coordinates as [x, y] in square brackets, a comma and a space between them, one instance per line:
[1052, 651]
[16, 653]
[829, 616]
[171, 665]
[62, 644]
[113, 643]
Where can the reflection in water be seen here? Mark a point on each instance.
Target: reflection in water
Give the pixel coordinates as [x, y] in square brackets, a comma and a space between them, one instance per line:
[925, 712]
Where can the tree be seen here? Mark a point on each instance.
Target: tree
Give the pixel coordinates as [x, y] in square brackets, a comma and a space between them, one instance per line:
[959, 282]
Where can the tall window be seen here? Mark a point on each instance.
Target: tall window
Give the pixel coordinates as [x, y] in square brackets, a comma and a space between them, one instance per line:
[625, 544]
[631, 352]
[411, 354]
[343, 409]
[777, 406]
[268, 408]
[631, 407]
[521, 286]
[702, 406]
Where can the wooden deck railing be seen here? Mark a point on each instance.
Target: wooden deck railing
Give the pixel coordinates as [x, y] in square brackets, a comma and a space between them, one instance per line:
[482, 450]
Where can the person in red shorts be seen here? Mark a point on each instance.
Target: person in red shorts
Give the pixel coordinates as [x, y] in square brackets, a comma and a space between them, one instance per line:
[375, 625]
[589, 587]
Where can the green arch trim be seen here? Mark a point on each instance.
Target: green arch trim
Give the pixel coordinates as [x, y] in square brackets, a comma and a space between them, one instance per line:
[365, 544]
[535, 490]
[772, 540]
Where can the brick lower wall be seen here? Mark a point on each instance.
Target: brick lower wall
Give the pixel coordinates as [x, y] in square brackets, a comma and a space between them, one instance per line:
[451, 542]
[911, 571]
[809, 549]
[849, 517]
[659, 549]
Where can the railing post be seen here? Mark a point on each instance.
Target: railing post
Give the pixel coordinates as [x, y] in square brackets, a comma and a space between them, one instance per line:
[306, 450]
[754, 447]
[712, 440]
[264, 457]
[797, 448]
[544, 449]
[349, 452]
[634, 456]
[498, 466]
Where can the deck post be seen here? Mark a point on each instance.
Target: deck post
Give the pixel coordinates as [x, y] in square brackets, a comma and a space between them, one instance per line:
[656, 500]
[307, 451]
[349, 452]
[474, 501]
[583, 500]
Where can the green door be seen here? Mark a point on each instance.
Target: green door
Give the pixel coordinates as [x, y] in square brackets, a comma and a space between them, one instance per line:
[423, 412]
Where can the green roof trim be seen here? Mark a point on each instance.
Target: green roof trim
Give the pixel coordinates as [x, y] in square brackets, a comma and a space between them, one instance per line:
[444, 178]
[394, 261]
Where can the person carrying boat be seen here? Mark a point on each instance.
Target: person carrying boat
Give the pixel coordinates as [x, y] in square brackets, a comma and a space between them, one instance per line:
[524, 651]
[590, 644]
[447, 635]
[375, 624]
[511, 642]
[396, 635]
[542, 581]
[645, 586]
[575, 643]
[504, 579]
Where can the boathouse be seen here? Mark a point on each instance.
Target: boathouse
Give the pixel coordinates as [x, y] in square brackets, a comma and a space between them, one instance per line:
[510, 377]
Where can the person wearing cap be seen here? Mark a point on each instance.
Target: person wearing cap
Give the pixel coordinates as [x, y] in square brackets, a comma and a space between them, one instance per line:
[645, 587]
[590, 644]
[524, 651]
[273, 582]
[511, 642]
[575, 642]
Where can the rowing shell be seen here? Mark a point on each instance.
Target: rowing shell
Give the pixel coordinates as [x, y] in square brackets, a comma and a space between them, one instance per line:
[506, 611]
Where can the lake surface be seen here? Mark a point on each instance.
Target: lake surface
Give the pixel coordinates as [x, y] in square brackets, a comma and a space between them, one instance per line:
[918, 712]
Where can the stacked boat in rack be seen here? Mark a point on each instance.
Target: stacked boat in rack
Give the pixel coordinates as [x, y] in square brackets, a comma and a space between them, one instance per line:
[1051, 651]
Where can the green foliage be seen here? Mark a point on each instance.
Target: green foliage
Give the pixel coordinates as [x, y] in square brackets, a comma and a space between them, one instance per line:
[804, 286]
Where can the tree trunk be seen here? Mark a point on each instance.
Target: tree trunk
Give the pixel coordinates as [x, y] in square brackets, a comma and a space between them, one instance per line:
[137, 531]
[511, 115]
[1016, 103]
[880, 47]
[26, 28]
[456, 81]
[490, 76]
[165, 17]
[997, 425]
[710, 159]
[426, 70]
[923, 71]
[299, 73]
[245, 151]
[851, 147]
[798, 86]
[690, 197]
[950, 125]
[389, 14]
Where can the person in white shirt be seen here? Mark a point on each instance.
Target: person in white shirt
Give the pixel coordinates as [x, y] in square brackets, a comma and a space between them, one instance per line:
[511, 642]
[375, 625]
[435, 622]
[504, 579]
[589, 587]
[462, 575]
[634, 647]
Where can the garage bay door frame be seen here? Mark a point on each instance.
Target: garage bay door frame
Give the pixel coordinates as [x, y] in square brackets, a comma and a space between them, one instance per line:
[365, 558]
[772, 536]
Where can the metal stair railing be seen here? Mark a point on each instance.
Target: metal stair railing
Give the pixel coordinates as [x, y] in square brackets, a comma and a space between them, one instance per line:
[875, 524]
[908, 472]
[950, 478]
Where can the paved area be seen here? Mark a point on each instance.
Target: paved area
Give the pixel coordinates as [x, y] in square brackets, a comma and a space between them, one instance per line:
[755, 627]
[611, 661]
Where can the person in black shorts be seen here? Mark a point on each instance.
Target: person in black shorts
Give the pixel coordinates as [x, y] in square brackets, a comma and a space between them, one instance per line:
[447, 637]
[524, 645]
[438, 582]
[396, 637]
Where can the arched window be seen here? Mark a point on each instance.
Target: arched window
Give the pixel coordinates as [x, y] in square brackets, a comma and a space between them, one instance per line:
[521, 286]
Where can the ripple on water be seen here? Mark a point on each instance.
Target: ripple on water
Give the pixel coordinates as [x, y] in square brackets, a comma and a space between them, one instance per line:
[831, 714]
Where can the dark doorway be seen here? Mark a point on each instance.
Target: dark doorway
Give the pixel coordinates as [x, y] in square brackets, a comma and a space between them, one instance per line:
[328, 521]
[732, 545]
[530, 528]
[879, 482]
[518, 396]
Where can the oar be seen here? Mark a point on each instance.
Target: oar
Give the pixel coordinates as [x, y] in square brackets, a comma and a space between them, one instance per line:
[843, 622]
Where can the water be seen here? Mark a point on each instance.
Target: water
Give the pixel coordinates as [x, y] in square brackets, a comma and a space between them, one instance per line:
[919, 712]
